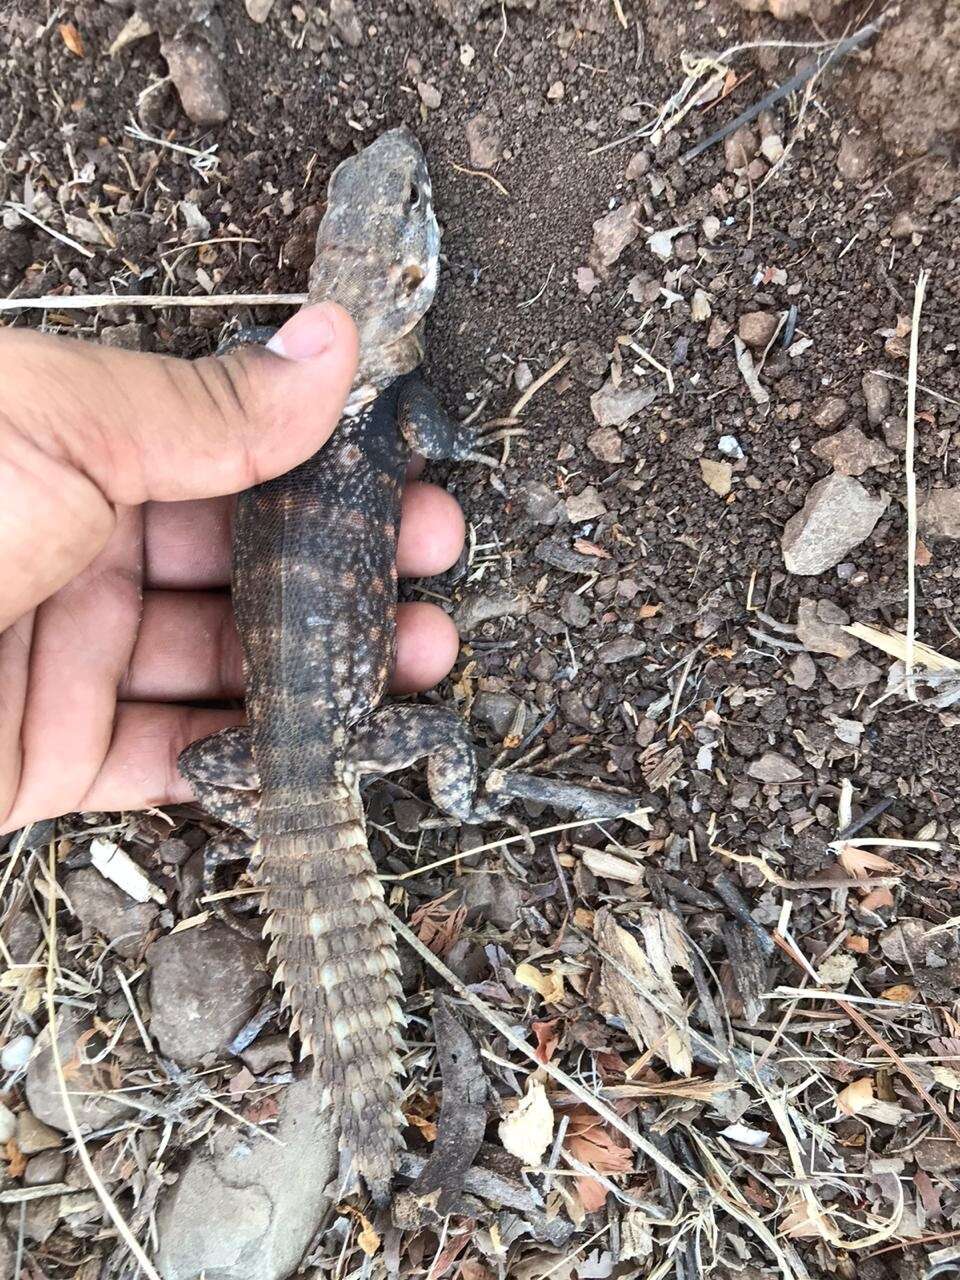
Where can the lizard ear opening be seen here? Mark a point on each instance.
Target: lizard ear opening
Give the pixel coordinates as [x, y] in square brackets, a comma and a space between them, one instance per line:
[410, 280]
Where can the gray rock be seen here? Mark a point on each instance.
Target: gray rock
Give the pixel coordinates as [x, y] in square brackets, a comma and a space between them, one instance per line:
[483, 141]
[429, 95]
[939, 516]
[249, 1208]
[267, 1053]
[612, 233]
[851, 453]
[876, 392]
[128, 337]
[820, 626]
[829, 413]
[197, 75]
[856, 157]
[48, 1166]
[803, 671]
[757, 328]
[204, 985]
[475, 610]
[258, 11]
[895, 432]
[739, 149]
[837, 516]
[854, 673]
[103, 908]
[33, 1136]
[343, 15]
[574, 610]
[8, 1254]
[543, 665]
[621, 649]
[498, 711]
[21, 933]
[637, 165]
[493, 896]
[43, 1088]
[613, 406]
[585, 505]
[773, 767]
[542, 504]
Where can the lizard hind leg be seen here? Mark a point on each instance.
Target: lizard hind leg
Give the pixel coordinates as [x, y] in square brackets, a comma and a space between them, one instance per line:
[428, 429]
[395, 737]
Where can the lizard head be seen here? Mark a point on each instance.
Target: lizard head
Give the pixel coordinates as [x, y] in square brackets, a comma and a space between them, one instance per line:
[378, 250]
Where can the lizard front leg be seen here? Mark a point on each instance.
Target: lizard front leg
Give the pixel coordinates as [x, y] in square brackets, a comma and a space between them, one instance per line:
[393, 738]
[428, 429]
[225, 779]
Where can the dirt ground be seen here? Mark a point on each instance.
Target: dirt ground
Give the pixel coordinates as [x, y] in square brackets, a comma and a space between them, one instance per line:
[626, 609]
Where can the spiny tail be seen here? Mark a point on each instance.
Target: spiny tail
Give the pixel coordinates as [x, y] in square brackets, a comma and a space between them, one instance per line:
[338, 965]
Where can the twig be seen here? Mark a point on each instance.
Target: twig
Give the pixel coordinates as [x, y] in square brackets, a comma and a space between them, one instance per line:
[912, 485]
[537, 383]
[929, 391]
[103, 1195]
[24, 212]
[91, 301]
[781, 91]
[482, 173]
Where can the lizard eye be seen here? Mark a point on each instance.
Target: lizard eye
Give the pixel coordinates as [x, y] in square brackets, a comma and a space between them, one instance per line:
[413, 198]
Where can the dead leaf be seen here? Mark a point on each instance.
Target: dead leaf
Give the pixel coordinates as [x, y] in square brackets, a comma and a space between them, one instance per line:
[528, 1130]
[367, 1237]
[72, 38]
[547, 1038]
[856, 1097]
[800, 1222]
[859, 862]
[858, 944]
[590, 549]
[637, 982]
[548, 985]
[437, 926]
[902, 993]
[717, 475]
[16, 1161]
[876, 899]
[590, 1141]
[924, 555]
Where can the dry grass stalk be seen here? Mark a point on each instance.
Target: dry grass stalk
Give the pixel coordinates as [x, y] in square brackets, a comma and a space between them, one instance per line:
[912, 485]
[93, 301]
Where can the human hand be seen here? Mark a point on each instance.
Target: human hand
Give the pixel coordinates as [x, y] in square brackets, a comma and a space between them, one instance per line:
[116, 476]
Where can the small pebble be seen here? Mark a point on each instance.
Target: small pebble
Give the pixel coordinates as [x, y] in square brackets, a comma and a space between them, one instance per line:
[8, 1123]
[729, 446]
[756, 328]
[16, 1053]
[556, 91]
[429, 95]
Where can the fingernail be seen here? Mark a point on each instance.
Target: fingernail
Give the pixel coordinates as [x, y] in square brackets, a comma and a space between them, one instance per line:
[306, 335]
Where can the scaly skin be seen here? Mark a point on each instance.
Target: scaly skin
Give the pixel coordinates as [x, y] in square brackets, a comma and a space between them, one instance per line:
[315, 591]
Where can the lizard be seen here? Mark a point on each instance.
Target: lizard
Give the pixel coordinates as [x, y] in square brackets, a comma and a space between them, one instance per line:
[314, 585]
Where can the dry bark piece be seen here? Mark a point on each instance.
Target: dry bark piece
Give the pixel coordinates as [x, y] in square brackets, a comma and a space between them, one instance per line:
[637, 982]
[463, 1115]
[773, 767]
[612, 233]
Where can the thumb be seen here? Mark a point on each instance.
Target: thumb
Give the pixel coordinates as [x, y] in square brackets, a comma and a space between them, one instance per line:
[85, 428]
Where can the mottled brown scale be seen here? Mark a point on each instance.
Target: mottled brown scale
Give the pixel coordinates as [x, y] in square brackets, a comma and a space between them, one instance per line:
[315, 592]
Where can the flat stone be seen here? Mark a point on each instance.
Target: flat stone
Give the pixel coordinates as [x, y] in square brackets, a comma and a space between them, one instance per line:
[895, 433]
[637, 165]
[621, 650]
[574, 610]
[803, 671]
[939, 515]
[585, 505]
[493, 896]
[829, 413]
[854, 673]
[756, 328]
[267, 1053]
[606, 444]
[937, 1155]
[429, 95]
[856, 157]
[197, 75]
[205, 983]
[258, 11]
[43, 1088]
[543, 665]
[851, 453]
[739, 149]
[42, 1169]
[102, 907]
[876, 392]
[34, 1137]
[346, 22]
[612, 233]
[613, 406]
[498, 711]
[475, 610]
[820, 626]
[773, 767]
[249, 1209]
[134, 336]
[541, 503]
[483, 140]
[838, 515]
[718, 333]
